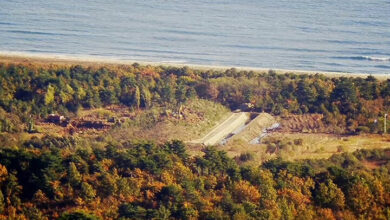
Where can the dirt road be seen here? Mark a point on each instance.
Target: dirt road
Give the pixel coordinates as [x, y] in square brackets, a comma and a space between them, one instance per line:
[255, 128]
[232, 123]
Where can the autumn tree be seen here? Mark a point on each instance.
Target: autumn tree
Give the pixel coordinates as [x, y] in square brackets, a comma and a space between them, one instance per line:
[145, 97]
[3, 177]
[137, 97]
[244, 191]
[88, 193]
[360, 198]
[74, 177]
[344, 94]
[79, 215]
[49, 96]
[328, 195]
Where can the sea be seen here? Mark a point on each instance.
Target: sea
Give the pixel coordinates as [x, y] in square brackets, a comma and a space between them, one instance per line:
[315, 35]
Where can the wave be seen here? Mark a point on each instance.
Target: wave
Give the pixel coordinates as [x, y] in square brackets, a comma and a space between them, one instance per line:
[383, 66]
[370, 58]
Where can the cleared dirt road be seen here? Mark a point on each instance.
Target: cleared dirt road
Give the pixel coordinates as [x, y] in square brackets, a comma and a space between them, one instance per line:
[233, 122]
[255, 128]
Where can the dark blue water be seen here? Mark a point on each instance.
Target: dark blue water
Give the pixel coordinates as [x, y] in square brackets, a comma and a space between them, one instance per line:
[326, 35]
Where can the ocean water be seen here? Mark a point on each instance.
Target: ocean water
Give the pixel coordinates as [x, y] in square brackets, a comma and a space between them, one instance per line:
[326, 35]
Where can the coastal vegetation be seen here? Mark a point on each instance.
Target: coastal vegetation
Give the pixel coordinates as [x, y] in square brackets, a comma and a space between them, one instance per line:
[348, 104]
[114, 142]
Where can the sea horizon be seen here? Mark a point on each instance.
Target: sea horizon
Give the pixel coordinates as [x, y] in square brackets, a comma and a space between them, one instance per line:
[328, 36]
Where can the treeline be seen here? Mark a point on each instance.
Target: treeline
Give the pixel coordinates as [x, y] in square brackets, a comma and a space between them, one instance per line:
[68, 178]
[351, 104]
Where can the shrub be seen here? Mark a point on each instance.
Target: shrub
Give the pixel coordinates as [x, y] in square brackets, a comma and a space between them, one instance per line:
[78, 215]
[362, 129]
[246, 156]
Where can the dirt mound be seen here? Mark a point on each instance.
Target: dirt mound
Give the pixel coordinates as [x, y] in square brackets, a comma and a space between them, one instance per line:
[307, 123]
[255, 127]
[185, 113]
[234, 122]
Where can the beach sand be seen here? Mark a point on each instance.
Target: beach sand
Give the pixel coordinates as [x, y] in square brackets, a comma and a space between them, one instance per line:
[47, 59]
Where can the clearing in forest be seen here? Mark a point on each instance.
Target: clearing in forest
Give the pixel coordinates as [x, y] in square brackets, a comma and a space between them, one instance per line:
[255, 128]
[232, 123]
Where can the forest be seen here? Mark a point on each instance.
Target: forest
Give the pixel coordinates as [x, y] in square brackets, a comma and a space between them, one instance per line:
[45, 176]
[30, 91]
[66, 178]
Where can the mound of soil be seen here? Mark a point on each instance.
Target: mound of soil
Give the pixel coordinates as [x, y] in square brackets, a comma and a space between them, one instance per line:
[307, 123]
[255, 127]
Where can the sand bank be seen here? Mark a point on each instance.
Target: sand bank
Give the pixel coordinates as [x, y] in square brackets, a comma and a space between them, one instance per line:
[21, 57]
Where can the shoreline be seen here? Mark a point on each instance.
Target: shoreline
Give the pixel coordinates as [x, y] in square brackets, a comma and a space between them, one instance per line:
[22, 57]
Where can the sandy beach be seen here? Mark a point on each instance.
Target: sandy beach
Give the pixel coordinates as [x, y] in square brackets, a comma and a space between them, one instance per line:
[47, 59]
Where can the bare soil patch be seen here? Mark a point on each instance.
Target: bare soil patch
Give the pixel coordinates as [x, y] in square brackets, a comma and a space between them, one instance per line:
[373, 164]
[307, 123]
[235, 121]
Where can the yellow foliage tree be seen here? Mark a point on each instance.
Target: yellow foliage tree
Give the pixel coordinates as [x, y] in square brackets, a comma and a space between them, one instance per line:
[49, 96]
[244, 191]
[3, 173]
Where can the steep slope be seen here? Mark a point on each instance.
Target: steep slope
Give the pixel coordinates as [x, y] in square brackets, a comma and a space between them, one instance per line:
[232, 123]
[255, 128]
